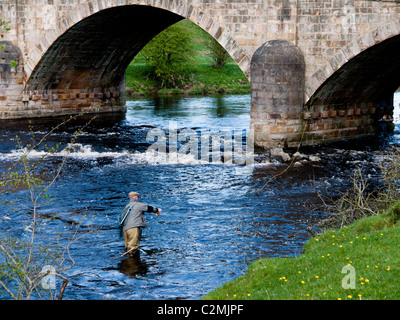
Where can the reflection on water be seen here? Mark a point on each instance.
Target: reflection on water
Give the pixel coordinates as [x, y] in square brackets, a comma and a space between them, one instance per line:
[191, 112]
[132, 265]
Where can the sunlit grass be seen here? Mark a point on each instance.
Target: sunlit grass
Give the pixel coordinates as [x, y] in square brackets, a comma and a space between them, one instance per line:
[203, 77]
[369, 245]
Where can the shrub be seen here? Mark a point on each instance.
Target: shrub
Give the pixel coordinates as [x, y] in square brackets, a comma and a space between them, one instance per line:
[167, 53]
[362, 200]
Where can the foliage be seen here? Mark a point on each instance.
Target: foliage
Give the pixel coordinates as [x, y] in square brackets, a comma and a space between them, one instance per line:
[22, 259]
[167, 53]
[29, 267]
[217, 53]
[361, 200]
[4, 26]
[200, 77]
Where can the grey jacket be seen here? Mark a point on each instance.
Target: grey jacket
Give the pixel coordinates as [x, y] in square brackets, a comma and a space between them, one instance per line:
[136, 217]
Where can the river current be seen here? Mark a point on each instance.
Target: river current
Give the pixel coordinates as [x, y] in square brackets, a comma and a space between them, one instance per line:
[217, 216]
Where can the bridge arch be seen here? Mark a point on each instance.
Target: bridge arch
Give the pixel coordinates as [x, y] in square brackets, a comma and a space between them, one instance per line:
[86, 55]
[345, 98]
[346, 54]
[178, 7]
[351, 93]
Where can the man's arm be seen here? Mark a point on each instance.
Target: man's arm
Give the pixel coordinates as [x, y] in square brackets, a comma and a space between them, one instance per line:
[153, 209]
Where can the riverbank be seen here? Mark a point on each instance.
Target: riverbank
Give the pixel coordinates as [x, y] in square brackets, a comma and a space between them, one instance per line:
[205, 80]
[357, 262]
[202, 77]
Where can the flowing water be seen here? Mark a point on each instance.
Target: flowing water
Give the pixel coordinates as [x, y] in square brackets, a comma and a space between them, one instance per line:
[216, 218]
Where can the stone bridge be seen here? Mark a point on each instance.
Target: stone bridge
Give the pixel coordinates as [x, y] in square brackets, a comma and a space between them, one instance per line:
[320, 70]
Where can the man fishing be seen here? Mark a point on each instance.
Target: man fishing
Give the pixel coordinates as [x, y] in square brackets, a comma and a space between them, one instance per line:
[132, 219]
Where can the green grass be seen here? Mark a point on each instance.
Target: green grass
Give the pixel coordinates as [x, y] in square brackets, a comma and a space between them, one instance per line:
[370, 245]
[204, 78]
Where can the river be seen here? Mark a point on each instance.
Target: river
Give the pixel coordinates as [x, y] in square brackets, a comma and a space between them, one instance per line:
[216, 219]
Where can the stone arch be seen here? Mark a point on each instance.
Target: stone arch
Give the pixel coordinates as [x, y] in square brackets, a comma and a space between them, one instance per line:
[179, 7]
[351, 94]
[347, 53]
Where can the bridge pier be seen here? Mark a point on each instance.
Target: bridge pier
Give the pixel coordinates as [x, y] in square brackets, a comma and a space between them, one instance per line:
[277, 94]
[55, 102]
[66, 98]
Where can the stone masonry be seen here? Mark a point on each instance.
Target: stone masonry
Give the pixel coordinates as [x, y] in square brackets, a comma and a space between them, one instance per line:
[319, 69]
[277, 93]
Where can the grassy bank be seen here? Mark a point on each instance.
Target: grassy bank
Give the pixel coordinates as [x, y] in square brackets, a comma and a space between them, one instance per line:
[370, 245]
[203, 78]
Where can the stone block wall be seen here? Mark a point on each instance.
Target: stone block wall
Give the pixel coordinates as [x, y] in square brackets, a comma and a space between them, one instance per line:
[277, 94]
[60, 69]
[340, 123]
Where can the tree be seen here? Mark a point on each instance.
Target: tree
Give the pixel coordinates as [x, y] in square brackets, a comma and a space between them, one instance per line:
[167, 53]
[217, 53]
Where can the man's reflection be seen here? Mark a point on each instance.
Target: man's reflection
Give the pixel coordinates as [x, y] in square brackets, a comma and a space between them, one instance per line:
[132, 265]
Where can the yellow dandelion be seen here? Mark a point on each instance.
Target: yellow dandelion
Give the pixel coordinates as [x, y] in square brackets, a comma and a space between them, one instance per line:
[359, 295]
[339, 298]
[349, 296]
[248, 294]
[302, 282]
[366, 280]
[316, 277]
[364, 238]
[388, 268]
[299, 271]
